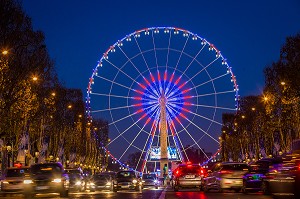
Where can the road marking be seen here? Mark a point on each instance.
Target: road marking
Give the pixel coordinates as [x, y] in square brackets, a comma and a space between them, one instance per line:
[163, 194]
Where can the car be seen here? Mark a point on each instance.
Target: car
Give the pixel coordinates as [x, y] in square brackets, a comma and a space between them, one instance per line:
[102, 181]
[76, 179]
[127, 179]
[12, 181]
[150, 180]
[187, 176]
[253, 180]
[225, 175]
[46, 178]
[285, 180]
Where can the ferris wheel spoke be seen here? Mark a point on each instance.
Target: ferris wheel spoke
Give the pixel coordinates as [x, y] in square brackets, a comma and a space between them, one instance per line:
[211, 80]
[131, 143]
[204, 68]
[135, 67]
[190, 136]
[187, 38]
[145, 63]
[172, 91]
[126, 129]
[199, 128]
[214, 107]
[109, 95]
[188, 111]
[119, 69]
[194, 58]
[154, 48]
[149, 140]
[117, 108]
[176, 138]
[168, 53]
[169, 83]
[116, 121]
[113, 82]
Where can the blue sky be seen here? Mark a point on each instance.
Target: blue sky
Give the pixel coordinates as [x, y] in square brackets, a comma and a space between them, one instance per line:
[248, 33]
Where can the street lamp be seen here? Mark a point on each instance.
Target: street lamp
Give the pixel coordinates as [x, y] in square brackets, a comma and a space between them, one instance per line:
[4, 52]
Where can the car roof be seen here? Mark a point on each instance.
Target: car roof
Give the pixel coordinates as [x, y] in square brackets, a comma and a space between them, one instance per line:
[227, 163]
[23, 167]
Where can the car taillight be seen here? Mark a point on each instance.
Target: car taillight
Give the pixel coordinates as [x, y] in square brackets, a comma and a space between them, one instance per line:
[177, 173]
[225, 172]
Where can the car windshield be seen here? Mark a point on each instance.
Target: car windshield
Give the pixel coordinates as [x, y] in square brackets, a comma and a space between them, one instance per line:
[45, 169]
[125, 174]
[16, 172]
[101, 177]
[149, 176]
[190, 169]
[235, 167]
[72, 171]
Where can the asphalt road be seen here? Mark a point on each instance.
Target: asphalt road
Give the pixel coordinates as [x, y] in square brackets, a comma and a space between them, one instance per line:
[152, 194]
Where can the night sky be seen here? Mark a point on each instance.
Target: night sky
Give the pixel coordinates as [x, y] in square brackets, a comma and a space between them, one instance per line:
[249, 34]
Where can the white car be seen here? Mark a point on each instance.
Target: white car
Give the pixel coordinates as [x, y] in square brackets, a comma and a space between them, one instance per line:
[225, 175]
[13, 180]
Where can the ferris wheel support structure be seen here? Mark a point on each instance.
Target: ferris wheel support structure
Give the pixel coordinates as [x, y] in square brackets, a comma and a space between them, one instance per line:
[163, 136]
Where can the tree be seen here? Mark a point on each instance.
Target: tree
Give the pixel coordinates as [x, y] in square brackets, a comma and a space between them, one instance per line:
[282, 91]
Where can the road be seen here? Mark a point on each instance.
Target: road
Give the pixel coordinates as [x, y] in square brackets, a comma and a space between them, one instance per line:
[152, 194]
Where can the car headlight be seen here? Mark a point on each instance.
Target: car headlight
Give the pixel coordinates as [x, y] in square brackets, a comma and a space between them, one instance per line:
[78, 183]
[27, 181]
[57, 180]
[92, 184]
[4, 182]
[108, 183]
[143, 180]
[155, 181]
[134, 181]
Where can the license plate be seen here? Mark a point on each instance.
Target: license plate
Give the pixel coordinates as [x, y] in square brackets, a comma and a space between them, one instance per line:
[42, 187]
[190, 176]
[124, 186]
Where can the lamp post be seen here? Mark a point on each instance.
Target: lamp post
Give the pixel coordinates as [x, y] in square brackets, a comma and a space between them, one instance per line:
[36, 157]
[25, 151]
[9, 148]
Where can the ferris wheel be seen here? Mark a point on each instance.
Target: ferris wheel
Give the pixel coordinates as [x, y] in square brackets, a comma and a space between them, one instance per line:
[162, 77]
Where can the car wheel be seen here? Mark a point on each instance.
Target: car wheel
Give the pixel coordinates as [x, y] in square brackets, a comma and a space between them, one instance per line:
[28, 195]
[115, 189]
[64, 193]
[176, 188]
[156, 187]
[244, 190]
[265, 188]
[237, 190]
[137, 188]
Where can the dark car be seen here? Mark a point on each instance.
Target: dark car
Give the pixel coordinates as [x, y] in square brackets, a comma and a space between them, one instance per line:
[187, 176]
[285, 179]
[225, 175]
[76, 179]
[127, 180]
[13, 180]
[150, 180]
[102, 181]
[46, 178]
[253, 180]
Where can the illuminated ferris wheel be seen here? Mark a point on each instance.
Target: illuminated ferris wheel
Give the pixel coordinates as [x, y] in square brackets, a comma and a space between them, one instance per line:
[162, 78]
